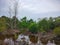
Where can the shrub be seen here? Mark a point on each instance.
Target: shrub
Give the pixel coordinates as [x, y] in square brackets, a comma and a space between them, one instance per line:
[56, 31]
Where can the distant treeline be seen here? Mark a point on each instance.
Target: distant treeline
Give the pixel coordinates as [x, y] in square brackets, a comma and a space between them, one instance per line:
[43, 25]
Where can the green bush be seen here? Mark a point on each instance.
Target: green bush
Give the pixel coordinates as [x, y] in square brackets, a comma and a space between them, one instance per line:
[56, 31]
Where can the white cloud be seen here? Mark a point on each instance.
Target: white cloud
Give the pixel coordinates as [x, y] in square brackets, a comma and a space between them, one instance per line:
[40, 6]
[37, 6]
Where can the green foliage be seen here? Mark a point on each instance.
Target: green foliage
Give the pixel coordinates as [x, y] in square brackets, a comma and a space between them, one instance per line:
[33, 28]
[51, 23]
[23, 23]
[43, 24]
[42, 30]
[56, 31]
[57, 21]
[3, 25]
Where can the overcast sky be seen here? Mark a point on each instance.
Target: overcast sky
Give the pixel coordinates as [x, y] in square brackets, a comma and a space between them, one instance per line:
[32, 8]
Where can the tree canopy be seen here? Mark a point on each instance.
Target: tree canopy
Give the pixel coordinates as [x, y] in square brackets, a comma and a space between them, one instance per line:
[43, 25]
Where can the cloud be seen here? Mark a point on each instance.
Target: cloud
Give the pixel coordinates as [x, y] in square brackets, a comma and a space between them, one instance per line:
[40, 6]
[34, 6]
